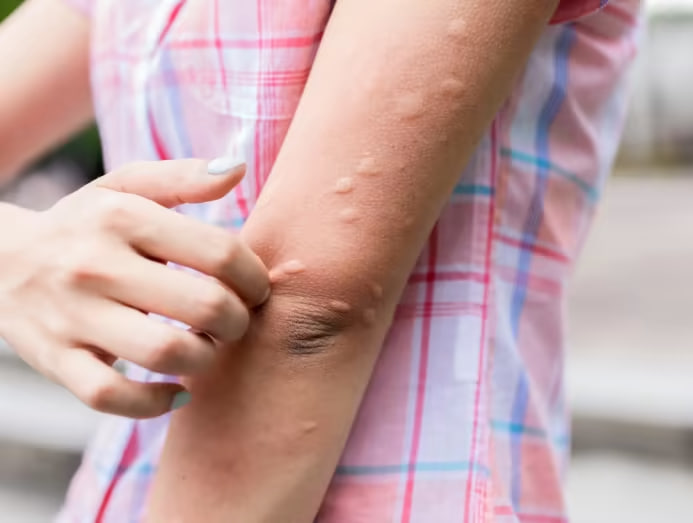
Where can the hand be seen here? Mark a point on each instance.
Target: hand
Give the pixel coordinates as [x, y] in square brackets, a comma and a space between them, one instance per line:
[77, 282]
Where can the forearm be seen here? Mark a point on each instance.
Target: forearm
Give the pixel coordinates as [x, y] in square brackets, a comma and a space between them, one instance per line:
[264, 430]
[395, 114]
[45, 93]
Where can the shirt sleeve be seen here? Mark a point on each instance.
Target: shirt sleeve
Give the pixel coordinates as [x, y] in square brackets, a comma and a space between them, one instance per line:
[569, 10]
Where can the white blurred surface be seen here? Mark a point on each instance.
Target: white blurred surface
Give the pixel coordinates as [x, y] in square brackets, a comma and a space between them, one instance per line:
[613, 488]
[631, 306]
[36, 412]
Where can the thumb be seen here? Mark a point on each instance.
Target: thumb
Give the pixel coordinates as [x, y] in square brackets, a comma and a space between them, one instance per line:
[174, 182]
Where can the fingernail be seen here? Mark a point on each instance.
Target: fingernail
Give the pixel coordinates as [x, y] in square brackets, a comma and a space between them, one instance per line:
[267, 295]
[223, 165]
[181, 399]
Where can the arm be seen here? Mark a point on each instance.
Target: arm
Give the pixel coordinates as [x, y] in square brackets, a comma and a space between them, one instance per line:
[45, 93]
[398, 112]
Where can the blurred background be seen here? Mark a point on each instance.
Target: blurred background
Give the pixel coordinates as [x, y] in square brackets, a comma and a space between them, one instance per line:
[630, 313]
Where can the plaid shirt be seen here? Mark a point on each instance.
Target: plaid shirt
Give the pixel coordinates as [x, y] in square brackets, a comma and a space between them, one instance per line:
[465, 417]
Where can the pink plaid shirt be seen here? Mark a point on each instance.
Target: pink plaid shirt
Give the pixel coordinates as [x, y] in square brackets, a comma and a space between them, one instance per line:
[465, 417]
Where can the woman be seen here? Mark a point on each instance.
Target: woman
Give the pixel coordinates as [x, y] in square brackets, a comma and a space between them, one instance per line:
[421, 176]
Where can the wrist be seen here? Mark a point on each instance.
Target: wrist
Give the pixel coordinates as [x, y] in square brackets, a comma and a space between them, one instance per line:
[17, 217]
[16, 222]
[16, 232]
[9, 211]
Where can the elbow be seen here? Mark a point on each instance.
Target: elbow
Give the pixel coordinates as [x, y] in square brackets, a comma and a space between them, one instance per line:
[311, 333]
[317, 326]
[307, 326]
[323, 297]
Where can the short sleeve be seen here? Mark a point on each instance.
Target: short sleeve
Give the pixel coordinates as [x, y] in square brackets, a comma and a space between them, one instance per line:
[569, 10]
[83, 6]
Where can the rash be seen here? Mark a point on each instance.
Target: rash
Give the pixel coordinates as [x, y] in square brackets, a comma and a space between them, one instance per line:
[410, 106]
[344, 185]
[339, 306]
[348, 215]
[368, 167]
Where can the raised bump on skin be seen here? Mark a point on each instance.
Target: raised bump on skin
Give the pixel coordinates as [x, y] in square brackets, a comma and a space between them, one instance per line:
[369, 316]
[368, 167]
[348, 215]
[309, 426]
[276, 275]
[457, 27]
[293, 267]
[452, 87]
[344, 185]
[339, 306]
[282, 271]
[443, 139]
[410, 106]
[376, 290]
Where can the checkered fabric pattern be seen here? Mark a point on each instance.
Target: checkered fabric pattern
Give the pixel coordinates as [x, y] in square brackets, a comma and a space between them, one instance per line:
[465, 417]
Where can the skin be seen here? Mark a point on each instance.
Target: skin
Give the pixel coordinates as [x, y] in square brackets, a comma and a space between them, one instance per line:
[264, 431]
[34, 118]
[77, 280]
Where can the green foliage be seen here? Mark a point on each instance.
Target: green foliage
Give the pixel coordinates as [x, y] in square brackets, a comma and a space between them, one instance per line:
[7, 6]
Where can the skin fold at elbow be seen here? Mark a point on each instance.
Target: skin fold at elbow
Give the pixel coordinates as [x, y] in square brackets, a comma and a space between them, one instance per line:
[317, 326]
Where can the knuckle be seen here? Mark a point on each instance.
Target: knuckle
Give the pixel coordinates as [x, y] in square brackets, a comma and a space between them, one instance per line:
[45, 358]
[166, 352]
[59, 326]
[115, 212]
[84, 266]
[227, 252]
[187, 170]
[212, 304]
[240, 319]
[117, 179]
[88, 269]
[100, 396]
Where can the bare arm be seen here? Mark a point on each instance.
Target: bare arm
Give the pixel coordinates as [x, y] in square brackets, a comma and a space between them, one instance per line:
[45, 94]
[399, 96]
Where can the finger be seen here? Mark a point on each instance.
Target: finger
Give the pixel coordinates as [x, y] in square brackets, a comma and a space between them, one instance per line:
[133, 336]
[102, 388]
[174, 182]
[199, 302]
[208, 249]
